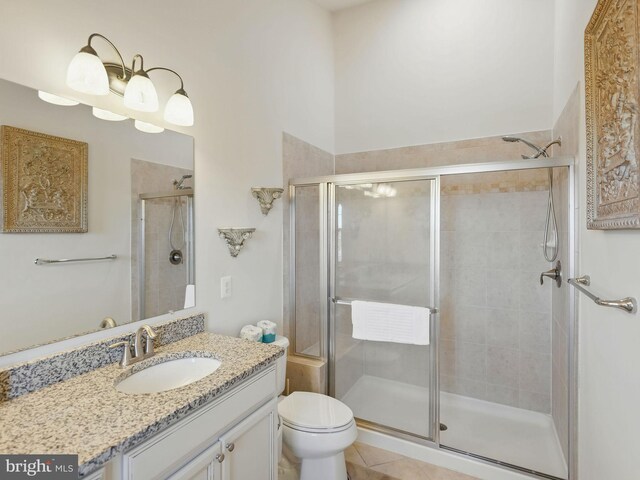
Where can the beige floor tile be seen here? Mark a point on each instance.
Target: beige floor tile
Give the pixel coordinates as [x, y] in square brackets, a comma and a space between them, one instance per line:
[358, 472]
[439, 473]
[404, 469]
[409, 469]
[352, 455]
[375, 456]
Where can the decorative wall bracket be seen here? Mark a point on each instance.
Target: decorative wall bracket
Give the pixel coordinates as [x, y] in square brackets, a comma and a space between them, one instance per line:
[235, 238]
[266, 196]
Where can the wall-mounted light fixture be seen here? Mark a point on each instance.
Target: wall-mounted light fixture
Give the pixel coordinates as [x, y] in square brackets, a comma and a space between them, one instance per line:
[88, 74]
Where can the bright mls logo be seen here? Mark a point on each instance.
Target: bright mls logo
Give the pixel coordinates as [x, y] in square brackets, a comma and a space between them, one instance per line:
[50, 467]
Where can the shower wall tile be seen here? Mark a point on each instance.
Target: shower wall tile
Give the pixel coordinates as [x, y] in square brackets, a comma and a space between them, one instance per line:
[471, 361]
[470, 323]
[502, 330]
[470, 286]
[535, 331]
[502, 366]
[502, 394]
[477, 150]
[500, 251]
[534, 401]
[535, 372]
[495, 316]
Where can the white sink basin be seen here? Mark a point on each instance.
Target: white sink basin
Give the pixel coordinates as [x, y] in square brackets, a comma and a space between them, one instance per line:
[168, 375]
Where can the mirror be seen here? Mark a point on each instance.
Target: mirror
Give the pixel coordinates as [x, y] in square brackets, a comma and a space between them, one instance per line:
[129, 206]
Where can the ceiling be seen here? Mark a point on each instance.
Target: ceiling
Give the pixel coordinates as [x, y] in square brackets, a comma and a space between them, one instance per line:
[335, 5]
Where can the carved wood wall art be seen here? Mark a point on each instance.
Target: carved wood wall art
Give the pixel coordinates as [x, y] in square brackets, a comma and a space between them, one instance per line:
[611, 83]
[43, 183]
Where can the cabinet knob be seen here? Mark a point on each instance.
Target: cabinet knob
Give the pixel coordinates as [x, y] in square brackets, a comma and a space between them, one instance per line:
[220, 457]
[230, 446]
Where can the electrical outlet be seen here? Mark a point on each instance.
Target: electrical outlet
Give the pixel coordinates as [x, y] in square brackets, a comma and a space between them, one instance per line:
[225, 287]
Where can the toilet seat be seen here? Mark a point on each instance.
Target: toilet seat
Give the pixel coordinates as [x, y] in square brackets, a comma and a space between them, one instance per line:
[314, 413]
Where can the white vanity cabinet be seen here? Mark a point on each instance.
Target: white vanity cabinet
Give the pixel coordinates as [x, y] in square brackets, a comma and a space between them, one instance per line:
[232, 438]
[245, 455]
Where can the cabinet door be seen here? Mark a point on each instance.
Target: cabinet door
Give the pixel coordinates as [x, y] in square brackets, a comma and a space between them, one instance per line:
[205, 466]
[249, 448]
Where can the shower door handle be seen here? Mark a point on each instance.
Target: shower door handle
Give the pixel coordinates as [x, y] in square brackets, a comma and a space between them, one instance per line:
[555, 274]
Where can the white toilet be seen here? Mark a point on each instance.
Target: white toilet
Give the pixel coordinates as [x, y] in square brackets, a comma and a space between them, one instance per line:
[315, 428]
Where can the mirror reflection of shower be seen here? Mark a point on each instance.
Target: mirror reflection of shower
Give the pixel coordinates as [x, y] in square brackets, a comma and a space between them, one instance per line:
[549, 245]
[177, 230]
[166, 261]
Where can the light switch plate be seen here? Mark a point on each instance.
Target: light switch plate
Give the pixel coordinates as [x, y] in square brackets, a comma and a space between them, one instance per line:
[225, 287]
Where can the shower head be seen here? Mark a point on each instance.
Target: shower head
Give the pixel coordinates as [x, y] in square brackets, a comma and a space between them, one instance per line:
[178, 183]
[540, 151]
[511, 139]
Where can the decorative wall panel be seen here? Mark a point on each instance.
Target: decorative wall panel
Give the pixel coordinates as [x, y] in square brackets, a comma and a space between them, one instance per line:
[611, 83]
[44, 183]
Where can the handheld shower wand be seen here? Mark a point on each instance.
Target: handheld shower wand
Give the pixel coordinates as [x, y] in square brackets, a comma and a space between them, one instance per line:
[549, 246]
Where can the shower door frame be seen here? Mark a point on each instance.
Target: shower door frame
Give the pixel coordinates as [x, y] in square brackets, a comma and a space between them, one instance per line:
[327, 246]
[434, 275]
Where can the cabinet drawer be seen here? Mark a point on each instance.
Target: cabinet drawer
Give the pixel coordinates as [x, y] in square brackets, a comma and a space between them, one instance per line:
[169, 450]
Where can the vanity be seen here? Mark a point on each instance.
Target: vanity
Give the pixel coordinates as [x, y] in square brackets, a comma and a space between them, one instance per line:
[222, 426]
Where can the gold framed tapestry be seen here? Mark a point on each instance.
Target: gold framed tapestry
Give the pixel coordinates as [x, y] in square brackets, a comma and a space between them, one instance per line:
[43, 182]
[611, 52]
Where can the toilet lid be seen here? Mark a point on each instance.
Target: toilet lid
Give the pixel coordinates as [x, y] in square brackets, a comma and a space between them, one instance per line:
[313, 410]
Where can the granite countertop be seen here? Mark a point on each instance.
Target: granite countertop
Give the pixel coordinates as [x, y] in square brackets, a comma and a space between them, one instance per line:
[86, 415]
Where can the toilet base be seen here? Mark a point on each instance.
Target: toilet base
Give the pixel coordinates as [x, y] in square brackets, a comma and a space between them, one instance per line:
[328, 468]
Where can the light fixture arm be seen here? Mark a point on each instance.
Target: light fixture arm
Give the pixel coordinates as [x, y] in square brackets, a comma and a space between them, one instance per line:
[133, 64]
[124, 70]
[175, 73]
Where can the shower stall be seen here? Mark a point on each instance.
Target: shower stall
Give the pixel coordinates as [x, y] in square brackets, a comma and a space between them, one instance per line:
[465, 241]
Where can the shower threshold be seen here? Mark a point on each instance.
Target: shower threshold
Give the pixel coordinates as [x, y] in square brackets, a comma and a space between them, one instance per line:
[512, 437]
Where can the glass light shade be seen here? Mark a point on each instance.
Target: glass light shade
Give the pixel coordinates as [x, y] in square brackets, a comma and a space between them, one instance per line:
[56, 100]
[148, 127]
[179, 110]
[140, 94]
[87, 74]
[107, 115]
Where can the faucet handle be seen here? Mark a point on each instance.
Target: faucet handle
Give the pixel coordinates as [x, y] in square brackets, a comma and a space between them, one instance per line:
[126, 355]
[151, 333]
[555, 274]
[148, 345]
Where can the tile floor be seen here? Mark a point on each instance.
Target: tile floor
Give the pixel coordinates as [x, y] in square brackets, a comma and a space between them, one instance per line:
[365, 462]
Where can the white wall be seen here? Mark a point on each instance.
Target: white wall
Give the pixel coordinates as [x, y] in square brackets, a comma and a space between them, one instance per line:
[42, 303]
[252, 68]
[414, 72]
[609, 357]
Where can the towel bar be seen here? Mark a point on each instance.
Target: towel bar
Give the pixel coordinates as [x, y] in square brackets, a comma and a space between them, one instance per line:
[44, 261]
[347, 301]
[628, 304]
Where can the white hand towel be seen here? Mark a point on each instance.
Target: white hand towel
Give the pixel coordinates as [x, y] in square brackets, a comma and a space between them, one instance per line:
[386, 322]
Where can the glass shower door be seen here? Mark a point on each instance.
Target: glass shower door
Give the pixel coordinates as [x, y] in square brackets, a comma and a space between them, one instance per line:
[383, 249]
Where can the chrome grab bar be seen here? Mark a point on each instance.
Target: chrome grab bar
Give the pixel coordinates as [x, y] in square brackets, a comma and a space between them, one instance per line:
[347, 301]
[45, 261]
[628, 304]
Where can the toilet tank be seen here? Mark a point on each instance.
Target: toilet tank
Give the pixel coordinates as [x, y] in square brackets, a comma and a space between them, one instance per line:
[281, 363]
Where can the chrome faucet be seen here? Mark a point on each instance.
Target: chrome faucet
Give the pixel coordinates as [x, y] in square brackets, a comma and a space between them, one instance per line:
[134, 353]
